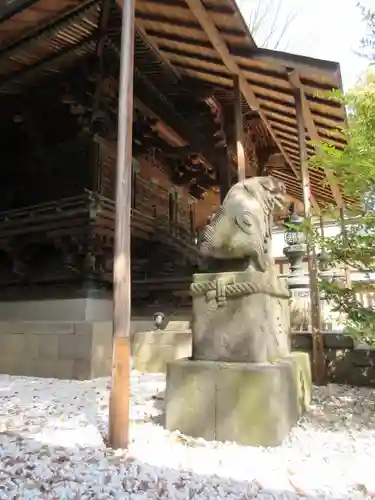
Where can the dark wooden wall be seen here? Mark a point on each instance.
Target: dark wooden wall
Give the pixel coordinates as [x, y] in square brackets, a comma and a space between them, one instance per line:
[57, 208]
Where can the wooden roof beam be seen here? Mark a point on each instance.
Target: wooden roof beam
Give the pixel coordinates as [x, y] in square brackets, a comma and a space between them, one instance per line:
[149, 103]
[326, 69]
[314, 135]
[10, 9]
[212, 33]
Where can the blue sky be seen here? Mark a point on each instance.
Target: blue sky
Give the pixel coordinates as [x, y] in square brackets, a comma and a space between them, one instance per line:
[324, 29]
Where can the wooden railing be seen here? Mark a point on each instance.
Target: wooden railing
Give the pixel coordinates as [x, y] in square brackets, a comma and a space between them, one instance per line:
[91, 211]
[63, 215]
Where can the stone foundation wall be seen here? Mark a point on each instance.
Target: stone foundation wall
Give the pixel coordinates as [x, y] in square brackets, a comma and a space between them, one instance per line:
[80, 350]
[72, 338]
[346, 362]
[83, 350]
[152, 350]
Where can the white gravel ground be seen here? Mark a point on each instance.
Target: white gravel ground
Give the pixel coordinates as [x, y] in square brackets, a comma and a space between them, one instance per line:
[51, 447]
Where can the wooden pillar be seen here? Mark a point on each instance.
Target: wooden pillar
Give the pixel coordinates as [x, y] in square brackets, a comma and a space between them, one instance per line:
[317, 340]
[96, 148]
[192, 220]
[222, 160]
[95, 174]
[134, 189]
[176, 210]
[241, 158]
[105, 12]
[223, 171]
[171, 211]
[321, 224]
[118, 433]
[348, 274]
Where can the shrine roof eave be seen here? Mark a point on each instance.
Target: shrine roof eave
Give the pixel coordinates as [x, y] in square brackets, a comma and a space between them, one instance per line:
[206, 43]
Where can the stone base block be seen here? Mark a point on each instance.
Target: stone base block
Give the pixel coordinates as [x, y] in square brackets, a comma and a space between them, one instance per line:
[152, 350]
[252, 404]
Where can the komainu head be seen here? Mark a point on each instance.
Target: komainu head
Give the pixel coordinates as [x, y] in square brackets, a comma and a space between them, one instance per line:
[242, 227]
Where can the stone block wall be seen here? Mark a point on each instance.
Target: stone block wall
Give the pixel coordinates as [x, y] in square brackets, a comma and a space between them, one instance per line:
[346, 363]
[152, 350]
[80, 350]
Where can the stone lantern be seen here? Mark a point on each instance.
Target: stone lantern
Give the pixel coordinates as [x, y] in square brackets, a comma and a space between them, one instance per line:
[324, 261]
[295, 251]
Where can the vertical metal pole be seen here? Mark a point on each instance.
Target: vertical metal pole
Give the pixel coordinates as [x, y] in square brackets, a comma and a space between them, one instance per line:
[241, 158]
[317, 340]
[348, 274]
[119, 401]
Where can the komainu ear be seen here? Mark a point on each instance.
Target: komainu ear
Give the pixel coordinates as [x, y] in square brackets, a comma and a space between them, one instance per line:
[268, 183]
[272, 184]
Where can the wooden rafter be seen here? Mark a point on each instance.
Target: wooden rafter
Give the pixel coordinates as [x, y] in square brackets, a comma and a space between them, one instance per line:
[148, 40]
[212, 33]
[314, 135]
[149, 102]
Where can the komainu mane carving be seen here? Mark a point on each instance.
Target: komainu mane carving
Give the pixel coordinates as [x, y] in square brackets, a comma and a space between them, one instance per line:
[242, 227]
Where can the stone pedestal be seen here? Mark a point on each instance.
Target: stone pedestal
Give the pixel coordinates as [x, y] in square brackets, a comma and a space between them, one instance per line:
[240, 317]
[242, 383]
[152, 350]
[252, 404]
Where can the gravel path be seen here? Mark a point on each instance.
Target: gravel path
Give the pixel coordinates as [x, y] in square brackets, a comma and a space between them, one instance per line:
[51, 447]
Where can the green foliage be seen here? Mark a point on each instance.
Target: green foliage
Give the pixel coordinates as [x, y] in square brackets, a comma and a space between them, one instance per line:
[354, 166]
[368, 41]
[354, 169]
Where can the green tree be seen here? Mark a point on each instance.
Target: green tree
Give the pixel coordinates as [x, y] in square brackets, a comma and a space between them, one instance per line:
[368, 41]
[354, 168]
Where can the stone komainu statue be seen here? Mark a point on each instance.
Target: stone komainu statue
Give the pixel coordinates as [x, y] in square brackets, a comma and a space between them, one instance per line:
[241, 312]
[242, 227]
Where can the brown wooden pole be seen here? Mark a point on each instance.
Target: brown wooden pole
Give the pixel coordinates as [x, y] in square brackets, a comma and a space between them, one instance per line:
[176, 210]
[321, 223]
[118, 433]
[317, 340]
[223, 172]
[171, 211]
[348, 274]
[238, 117]
[134, 189]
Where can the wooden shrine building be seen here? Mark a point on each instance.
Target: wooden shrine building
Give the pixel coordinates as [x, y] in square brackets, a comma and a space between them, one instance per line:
[59, 78]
